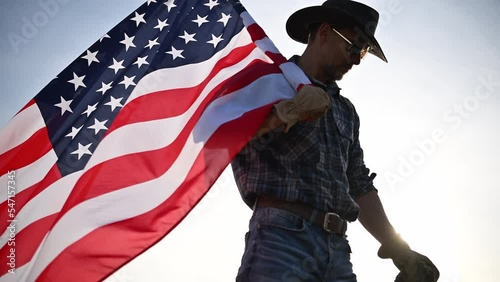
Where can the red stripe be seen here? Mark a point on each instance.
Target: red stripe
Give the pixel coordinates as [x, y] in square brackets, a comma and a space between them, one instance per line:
[24, 154]
[257, 33]
[31, 102]
[106, 249]
[23, 197]
[26, 243]
[161, 104]
[277, 58]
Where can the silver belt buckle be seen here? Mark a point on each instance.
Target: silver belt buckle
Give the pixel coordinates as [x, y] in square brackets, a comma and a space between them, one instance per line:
[327, 220]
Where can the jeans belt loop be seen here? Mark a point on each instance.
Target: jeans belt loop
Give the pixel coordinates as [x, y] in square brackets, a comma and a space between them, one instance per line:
[255, 203]
[314, 215]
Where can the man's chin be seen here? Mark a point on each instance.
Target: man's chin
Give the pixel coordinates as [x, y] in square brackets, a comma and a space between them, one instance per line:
[339, 76]
[336, 74]
[340, 73]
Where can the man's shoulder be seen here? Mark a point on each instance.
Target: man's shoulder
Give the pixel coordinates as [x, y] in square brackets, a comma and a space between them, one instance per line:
[347, 102]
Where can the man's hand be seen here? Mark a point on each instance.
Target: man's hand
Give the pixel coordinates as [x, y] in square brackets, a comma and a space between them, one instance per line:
[310, 103]
[414, 267]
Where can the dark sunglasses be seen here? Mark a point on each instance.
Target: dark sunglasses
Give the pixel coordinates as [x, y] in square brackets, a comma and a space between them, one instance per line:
[353, 49]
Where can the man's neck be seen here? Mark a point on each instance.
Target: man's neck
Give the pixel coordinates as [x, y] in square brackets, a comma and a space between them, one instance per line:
[308, 64]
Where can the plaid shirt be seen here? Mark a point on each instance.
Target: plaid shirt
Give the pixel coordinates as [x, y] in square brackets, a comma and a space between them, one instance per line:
[318, 163]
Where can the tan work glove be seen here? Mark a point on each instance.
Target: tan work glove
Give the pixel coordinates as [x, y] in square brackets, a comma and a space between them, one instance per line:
[310, 103]
[414, 267]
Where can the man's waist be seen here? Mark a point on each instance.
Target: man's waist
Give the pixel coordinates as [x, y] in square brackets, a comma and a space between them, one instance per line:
[330, 221]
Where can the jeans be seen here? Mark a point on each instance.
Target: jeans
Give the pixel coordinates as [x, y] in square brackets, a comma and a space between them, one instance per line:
[281, 246]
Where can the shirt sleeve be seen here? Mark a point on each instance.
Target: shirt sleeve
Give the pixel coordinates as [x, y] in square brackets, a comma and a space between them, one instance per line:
[360, 179]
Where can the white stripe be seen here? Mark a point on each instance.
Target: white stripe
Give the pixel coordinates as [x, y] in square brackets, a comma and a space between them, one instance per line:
[130, 138]
[30, 174]
[20, 128]
[266, 45]
[187, 75]
[233, 106]
[294, 74]
[140, 198]
[247, 19]
[47, 202]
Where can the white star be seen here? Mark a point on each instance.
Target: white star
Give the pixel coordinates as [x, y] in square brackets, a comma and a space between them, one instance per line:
[104, 87]
[211, 4]
[104, 36]
[151, 1]
[82, 150]
[114, 103]
[138, 18]
[98, 126]
[152, 43]
[224, 19]
[77, 81]
[128, 42]
[127, 81]
[215, 40]
[188, 37]
[116, 66]
[74, 132]
[161, 24]
[176, 53]
[141, 61]
[170, 4]
[199, 20]
[64, 105]
[90, 109]
[91, 57]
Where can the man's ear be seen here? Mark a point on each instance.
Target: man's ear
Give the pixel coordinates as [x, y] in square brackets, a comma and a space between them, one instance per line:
[324, 32]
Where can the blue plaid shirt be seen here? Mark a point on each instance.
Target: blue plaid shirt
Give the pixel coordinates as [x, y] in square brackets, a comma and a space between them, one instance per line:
[318, 163]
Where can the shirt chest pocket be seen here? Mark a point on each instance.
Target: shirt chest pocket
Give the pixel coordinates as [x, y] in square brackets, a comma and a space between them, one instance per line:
[346, 131]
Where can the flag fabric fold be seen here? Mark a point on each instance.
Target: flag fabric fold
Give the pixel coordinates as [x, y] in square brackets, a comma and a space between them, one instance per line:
[117, 149]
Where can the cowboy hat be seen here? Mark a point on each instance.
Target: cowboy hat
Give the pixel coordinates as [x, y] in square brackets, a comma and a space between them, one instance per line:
[340, 13]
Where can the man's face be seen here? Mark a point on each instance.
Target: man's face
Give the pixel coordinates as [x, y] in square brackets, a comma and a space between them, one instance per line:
[338, 58]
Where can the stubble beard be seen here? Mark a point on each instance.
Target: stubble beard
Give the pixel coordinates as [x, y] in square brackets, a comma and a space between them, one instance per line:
[332, 74]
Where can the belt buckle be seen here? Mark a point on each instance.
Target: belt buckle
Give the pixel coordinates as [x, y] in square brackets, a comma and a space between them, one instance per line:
[327, 221]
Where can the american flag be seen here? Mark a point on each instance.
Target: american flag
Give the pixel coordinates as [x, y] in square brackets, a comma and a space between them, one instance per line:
[117, 149]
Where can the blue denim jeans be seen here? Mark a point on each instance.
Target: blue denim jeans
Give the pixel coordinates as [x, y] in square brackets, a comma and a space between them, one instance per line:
[281, 246]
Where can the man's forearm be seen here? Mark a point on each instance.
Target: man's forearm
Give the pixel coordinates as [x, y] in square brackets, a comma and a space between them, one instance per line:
[373, 218]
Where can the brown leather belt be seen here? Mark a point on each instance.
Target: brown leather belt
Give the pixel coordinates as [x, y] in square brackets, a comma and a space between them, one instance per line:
[330, 221]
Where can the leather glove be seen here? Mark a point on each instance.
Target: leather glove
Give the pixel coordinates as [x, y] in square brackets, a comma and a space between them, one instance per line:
[309, 103]
[414, 267]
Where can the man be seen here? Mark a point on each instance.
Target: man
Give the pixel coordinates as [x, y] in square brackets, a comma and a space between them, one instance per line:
[305, 176]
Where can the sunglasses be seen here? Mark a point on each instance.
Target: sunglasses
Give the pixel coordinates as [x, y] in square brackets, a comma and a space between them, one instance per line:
[353, 49]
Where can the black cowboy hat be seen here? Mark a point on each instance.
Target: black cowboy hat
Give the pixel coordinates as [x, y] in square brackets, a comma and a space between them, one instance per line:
[337, 13]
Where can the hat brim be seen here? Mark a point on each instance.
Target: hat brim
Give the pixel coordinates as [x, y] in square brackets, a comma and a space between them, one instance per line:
[298, 24]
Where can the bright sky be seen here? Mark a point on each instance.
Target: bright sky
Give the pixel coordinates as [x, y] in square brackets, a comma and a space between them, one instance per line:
[427, 128]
